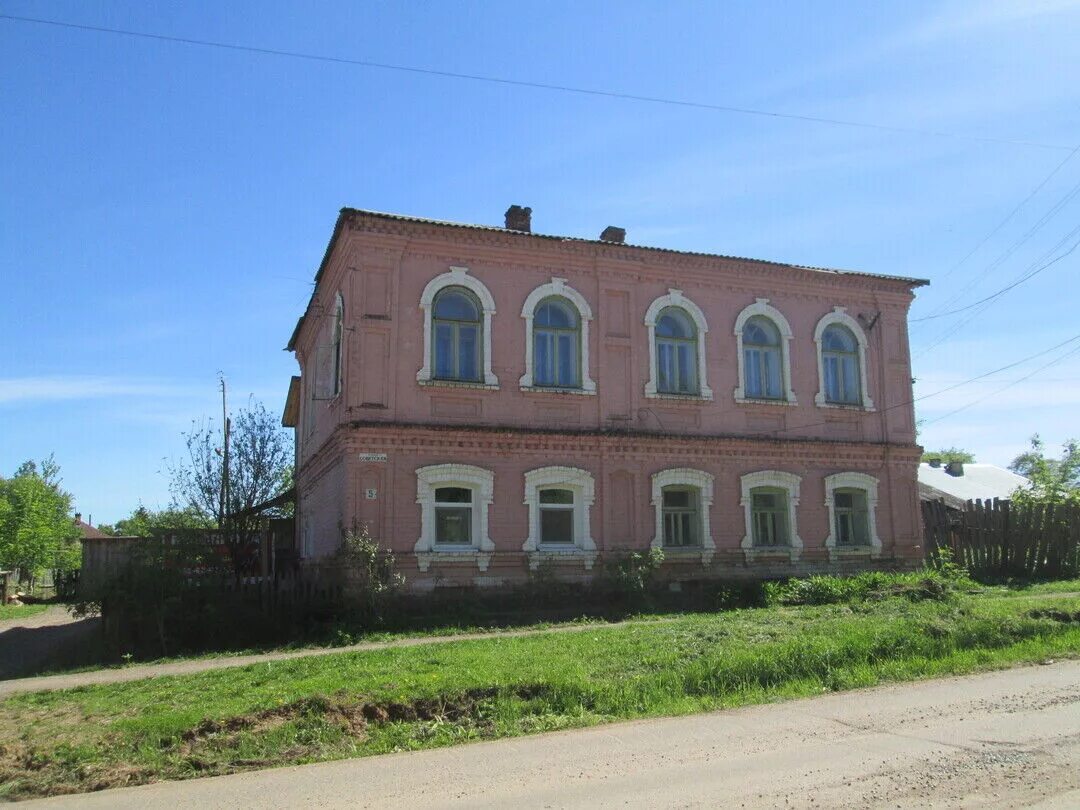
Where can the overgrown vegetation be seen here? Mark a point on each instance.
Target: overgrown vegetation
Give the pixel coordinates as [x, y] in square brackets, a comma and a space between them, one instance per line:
[356, 704]
[20, 611]
[949, 454]
[1054, 482]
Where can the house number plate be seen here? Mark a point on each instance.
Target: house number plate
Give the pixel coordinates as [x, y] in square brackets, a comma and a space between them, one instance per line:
[373, 456]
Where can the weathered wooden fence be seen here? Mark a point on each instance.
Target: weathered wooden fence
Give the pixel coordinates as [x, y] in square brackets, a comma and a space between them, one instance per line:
[1000, 538]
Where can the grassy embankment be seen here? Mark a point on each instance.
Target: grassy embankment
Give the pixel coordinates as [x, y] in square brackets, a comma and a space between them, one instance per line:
[357, 704]
[20, 611]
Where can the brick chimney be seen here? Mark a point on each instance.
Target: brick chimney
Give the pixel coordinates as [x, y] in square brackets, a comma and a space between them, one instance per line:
[935, 462]
[78, 517]
[613, 234]
[519, 219]
[955, 468]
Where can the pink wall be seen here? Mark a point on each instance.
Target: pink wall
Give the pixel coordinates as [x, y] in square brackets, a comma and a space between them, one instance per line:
[381, 266]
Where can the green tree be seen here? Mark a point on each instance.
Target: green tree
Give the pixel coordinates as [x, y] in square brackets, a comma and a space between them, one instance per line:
[37, 532]
[949, 454]
[1053, 481]
[142, 522]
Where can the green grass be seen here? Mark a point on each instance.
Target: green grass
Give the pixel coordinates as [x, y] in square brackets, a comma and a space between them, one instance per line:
[363, 703]
[20, 611]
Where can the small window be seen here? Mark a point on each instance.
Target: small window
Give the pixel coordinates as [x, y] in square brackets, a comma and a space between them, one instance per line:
[840, 364]
[556, 516]
[681, 516]
[762, 359]
[457, 343]
[852, 517]
[453, 515]
[676, 353]
[769, 517]
[339, 327]
[556, 344]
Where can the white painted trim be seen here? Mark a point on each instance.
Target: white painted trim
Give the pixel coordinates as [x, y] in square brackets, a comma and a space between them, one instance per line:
[338, 336]
[457, 277]
[780, 480]
[762, 308]
[581, 483]
[557, 288]
[703, 483]
[482, 484]
[839, 315]
[675, 298]
[852, 480]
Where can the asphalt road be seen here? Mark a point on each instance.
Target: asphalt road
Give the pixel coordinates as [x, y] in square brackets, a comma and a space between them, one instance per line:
[1005, 739]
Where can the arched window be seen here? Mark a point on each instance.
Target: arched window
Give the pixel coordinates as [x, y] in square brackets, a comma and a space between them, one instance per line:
[339, 327]
[762, 335]
[840, 361]
[842, 346]
[556, 344]
[557, 339]
[677, 330]
[851, 499]
[458, 310]
[682, 499]
[762, 356]
[457, 344]
[676, 353]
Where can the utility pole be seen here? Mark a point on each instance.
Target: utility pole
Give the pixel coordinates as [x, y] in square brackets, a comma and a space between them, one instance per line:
[224, 504]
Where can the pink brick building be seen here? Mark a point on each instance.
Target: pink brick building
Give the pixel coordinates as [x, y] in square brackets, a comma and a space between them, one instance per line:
[488, 399]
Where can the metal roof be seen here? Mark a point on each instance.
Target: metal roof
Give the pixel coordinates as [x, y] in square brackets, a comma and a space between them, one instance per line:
[976, 481]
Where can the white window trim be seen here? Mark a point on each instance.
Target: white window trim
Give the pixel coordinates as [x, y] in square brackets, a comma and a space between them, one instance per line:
[852, 480]
[457, 277]
[581, 483]
[482, 484]
[839, 315]
[675, 298]
[557, 288]
[762, 308]
[339, 345]
[780, 480]
[703, 483]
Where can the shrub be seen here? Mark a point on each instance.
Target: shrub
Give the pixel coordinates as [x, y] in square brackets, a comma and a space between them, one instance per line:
[632, 575]
[369, 571]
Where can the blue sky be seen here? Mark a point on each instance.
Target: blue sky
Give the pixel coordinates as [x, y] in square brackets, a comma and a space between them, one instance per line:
[163, 206]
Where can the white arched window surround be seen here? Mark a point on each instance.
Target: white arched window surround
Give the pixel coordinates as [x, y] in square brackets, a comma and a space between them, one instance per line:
[337, 337]
[458, 277]
[789, 482]
[703, 483]
[581, 483]
[762, 308]
[839, 316]
[557, 288]
[852, 480]
[482, 484]
[675, 298]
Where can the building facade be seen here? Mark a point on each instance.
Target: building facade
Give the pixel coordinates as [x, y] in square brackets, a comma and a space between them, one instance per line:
[488, 400]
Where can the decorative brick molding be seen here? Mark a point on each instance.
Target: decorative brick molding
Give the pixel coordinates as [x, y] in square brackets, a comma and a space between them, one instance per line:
[839, 315]
[789, 482]
[581, 483]
[675, 298]
[762, 308]
[703, 483]
[457, 277]
[852, 480]
[557, 288]
[482, 484]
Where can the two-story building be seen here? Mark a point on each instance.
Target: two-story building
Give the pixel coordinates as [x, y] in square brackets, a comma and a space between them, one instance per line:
[487, 399]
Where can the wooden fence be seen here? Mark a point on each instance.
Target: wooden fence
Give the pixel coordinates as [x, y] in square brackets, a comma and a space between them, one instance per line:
[998, 538]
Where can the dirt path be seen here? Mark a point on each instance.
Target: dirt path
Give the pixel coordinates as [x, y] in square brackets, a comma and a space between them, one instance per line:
[135, 673]
[998, 740]
[52, 639]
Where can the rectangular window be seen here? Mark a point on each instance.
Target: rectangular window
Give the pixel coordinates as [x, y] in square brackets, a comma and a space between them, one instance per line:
[665, 361]
[680, 516]
[769, 517]
[687, 369]
[453, 515]
[568, 352]
[468, 352]
[544, 373]
[556, 516]
[852, 518]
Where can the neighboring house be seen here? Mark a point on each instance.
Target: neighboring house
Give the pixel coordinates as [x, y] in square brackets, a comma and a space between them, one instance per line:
[488, 399]
[958, 482]
[86, 529]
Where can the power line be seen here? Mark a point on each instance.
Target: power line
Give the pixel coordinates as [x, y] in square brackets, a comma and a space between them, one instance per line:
[476, 77]
[1009, 217]
[1005, 289]
[968, 381]
[974, 402]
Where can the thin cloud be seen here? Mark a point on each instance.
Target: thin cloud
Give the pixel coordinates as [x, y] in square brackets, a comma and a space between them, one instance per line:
[20, 390]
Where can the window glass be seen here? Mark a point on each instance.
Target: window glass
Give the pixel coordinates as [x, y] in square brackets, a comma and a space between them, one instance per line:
[453, 495]
[555, 314]
[680, 515]
[769, 517]
[674, 323]
[457, 306]
[557, 496]
[456, 343]
[556, 516]
[676, 353]
[840, 363]
[852, 517]
[556, 344]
